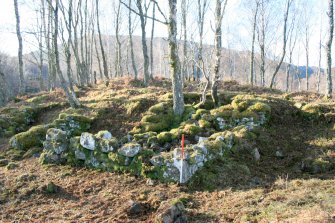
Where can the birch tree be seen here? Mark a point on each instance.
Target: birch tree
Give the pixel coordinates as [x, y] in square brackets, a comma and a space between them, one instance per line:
[286, 14]
[20, 50]
[252, 54]
[219, 12]
[142, 14]
[104, 60]
[74, 102]
[177, 86]
[330, 14]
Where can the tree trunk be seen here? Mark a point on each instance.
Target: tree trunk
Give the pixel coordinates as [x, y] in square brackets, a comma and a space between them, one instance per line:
[252, 56]
[288, 69]
[98, 58]
[152, 43]
[184, 25]
[329, 90]
[74, 102]
[218, 45]
[118, 58]
[144, 43]
[288, 4]
[22, 88]
[104, 62]
[201, 20]
[130, 32]
[177, 90]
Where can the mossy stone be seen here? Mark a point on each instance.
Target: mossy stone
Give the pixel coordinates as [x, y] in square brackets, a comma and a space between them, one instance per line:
[199, 113]
[165, 137]
[260, 107]
[31, 138]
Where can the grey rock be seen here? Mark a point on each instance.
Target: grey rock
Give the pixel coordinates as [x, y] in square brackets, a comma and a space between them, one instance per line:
[87, 140]
[130, 149]
[59, 148]
[57, 135]
[256, 154]
[157, 160]
[106, 146]
[104, 135]
[221, 122]
[79, 155]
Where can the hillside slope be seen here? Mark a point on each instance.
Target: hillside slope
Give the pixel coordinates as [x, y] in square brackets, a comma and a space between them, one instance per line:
[285, 174]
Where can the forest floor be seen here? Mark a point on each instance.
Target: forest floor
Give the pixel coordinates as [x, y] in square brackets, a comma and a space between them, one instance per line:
[274, 189]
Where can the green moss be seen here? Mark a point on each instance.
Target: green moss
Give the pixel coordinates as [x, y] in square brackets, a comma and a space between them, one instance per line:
[223, 111]
[14, 154]
[136, 106]
[117, 158]
[152, 118]
[32, 151]
[199, 113]
[318, 165]
[191, 129]
[260, 107]
[314, 111]
[242, 132]
[188, 112]
[215, 147]
[240, 104]
[73, 124]
[165, 137]
[74, 143]
[136, 130]
[155, 127]
[225, 134]
[176, 133]
[191, 97]
[51, 188]
[204, 124]
[38, 99]
[31, 138]
[159, 108]
[12, 166]
[152, 140]
[245, 114]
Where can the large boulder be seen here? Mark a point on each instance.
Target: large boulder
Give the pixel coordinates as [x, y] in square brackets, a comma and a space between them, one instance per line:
[31, 138]
[130, 149]
[88, 141]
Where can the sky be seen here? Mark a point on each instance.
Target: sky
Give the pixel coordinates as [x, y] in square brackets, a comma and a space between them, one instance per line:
[236, 25]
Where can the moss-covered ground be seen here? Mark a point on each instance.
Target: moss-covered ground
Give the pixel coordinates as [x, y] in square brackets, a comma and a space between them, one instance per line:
[293, 181]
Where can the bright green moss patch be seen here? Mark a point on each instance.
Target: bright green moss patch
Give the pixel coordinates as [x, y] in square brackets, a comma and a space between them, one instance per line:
[165, 137]
[260, 107]
[31, 138]
[199, 113]
[38, 99]
[223, 111]
[204, 124]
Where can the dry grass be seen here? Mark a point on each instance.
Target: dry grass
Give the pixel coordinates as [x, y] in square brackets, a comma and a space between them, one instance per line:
[239, 190]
